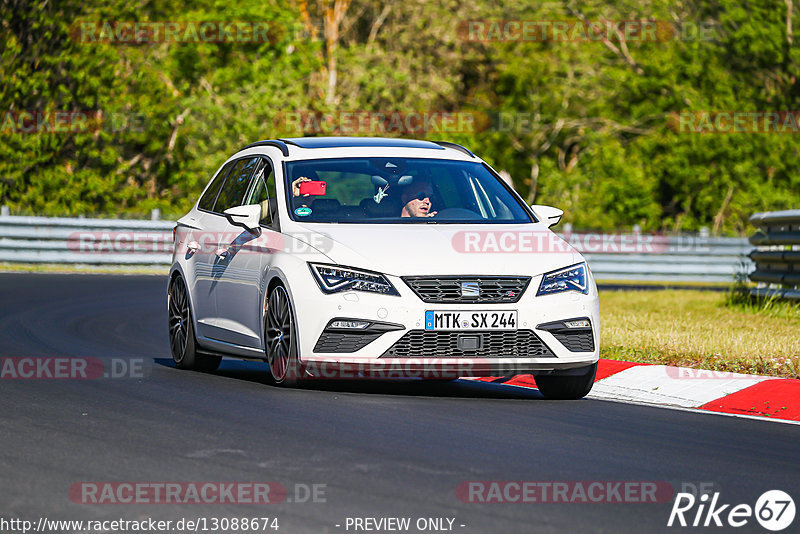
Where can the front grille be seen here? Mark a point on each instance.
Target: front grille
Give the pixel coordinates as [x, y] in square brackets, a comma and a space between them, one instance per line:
[447, 289]
[343, 342]
[495, 344]
[580, 341]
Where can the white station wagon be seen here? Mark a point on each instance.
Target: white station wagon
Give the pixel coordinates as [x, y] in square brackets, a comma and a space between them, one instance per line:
[348, 257]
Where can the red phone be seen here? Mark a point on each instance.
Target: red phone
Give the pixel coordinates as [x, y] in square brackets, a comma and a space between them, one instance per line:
[313, 188]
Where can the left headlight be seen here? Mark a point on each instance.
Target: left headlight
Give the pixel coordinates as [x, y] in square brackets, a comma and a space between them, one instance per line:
[572, 278]
[333, 279]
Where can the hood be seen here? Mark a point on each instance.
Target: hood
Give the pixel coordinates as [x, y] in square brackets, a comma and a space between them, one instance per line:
[440, 249]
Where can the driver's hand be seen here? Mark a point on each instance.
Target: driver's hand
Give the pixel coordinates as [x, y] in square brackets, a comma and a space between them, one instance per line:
[432, 213]
[296, 185]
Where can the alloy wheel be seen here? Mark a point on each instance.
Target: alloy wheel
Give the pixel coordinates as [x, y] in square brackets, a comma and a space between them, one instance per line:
[178, 319]
[279, 334]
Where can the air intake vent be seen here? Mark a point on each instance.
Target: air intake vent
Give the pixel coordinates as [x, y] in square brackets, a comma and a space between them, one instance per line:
[493, 344]
[579, 341]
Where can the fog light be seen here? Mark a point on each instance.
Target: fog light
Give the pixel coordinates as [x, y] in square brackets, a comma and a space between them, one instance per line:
[349, 325]
[580, 323]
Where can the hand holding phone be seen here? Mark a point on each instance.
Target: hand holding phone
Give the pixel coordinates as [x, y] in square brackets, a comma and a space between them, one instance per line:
[313, 188]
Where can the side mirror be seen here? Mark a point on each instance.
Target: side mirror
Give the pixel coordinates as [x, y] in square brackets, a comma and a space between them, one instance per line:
[247, 217]
[548, 214]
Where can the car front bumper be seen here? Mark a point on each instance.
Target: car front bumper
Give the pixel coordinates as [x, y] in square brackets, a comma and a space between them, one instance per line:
[406, 313]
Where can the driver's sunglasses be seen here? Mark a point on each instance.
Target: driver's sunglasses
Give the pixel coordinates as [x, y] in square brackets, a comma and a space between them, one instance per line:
[422, 195]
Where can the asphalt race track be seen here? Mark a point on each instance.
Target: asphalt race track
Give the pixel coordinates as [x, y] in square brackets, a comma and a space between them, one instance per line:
[377, 449]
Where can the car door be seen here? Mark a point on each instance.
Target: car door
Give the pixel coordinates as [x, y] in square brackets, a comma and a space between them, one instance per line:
[237, 286]
[201, 244]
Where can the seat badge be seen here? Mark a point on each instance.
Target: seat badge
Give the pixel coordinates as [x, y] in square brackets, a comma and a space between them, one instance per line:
[470, 289]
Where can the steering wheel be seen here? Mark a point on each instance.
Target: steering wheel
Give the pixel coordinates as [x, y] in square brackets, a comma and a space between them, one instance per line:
[457, 213]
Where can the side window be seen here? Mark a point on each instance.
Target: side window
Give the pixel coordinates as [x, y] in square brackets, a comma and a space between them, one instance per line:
[349, 188]
[233, 191]
[208, 198]
[262, 192]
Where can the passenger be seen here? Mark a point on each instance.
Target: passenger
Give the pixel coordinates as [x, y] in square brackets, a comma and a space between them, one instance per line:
[296, 186]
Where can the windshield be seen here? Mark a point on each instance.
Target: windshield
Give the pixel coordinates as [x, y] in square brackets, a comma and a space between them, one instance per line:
[399, 190]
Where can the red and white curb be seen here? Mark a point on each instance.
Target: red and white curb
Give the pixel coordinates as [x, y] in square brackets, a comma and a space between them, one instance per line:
[697, 389]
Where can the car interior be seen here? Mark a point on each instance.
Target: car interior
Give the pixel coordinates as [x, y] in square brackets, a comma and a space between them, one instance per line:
[370, 190]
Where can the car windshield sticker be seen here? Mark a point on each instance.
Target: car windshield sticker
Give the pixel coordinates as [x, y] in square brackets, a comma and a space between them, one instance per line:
[381, 194]
[303, 211]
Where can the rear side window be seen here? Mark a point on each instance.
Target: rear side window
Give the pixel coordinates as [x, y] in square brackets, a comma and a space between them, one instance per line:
[208, 198]
[236, 185]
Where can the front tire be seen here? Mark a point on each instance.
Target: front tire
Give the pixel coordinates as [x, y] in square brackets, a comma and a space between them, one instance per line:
[566, 387]
[182, 342]
[280, 338]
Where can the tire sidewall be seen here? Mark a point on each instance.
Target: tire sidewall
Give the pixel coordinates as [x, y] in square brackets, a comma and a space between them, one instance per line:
[291, 376]
[187, 359]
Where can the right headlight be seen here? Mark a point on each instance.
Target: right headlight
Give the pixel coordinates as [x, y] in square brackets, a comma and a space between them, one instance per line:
[572, 278]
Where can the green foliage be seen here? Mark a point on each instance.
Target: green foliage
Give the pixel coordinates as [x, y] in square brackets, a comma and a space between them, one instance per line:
[584, 125]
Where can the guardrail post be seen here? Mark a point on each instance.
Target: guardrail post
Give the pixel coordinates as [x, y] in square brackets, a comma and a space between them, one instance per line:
[777, 262]
[4, 211]
[155, 215]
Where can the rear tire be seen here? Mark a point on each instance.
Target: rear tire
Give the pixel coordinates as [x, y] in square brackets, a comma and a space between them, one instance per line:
[280, 343]
[182, 342]
[566, 387]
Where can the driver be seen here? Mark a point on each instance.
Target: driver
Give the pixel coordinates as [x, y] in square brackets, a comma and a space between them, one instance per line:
[416, 199]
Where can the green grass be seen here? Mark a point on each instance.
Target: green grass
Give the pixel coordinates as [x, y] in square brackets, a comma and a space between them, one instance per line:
[701, 329]
[73, 268]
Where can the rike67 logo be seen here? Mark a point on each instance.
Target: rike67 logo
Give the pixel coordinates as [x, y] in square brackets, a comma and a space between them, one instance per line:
[774, 510]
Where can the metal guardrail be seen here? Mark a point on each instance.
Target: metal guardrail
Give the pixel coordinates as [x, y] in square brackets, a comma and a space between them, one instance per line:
[636, 257]
[777, 254]
[674, 259]
[85, 241]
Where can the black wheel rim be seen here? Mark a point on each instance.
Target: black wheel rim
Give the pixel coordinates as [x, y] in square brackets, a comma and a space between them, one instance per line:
[178, 319]
[278, 328]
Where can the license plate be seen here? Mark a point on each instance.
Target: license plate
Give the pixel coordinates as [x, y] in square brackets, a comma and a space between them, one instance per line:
[471, 320]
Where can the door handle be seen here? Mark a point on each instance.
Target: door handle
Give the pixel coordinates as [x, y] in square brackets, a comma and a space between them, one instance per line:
[194, 246]
[222, 252]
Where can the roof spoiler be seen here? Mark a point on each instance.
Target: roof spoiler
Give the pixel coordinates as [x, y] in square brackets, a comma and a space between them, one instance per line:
[448, 144]
[277, 144]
